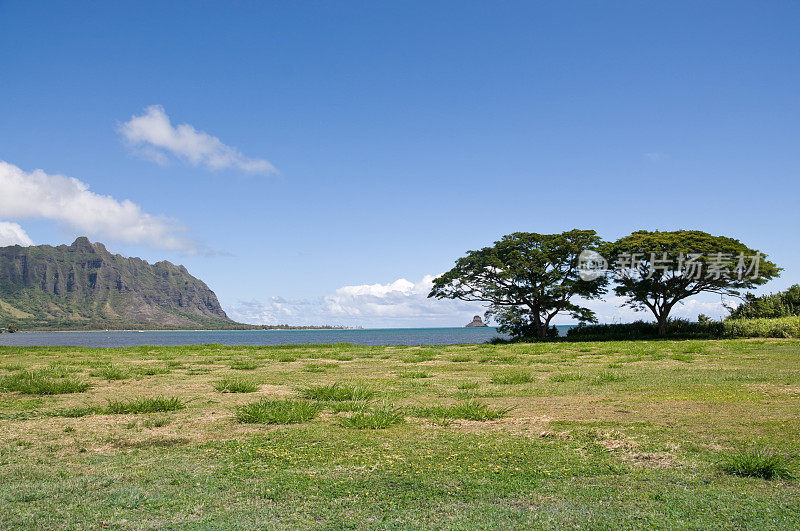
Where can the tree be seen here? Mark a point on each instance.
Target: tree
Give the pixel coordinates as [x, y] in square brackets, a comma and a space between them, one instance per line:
[12, 328]
[526, 278]
[656, 270]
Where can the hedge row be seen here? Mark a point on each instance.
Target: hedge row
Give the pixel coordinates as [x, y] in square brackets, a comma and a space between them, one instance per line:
[682, 329]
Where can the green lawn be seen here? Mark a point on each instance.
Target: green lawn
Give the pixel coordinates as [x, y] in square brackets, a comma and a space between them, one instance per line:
[596, 435]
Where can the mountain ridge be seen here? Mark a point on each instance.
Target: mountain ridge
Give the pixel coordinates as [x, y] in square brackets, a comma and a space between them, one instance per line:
[84, 286]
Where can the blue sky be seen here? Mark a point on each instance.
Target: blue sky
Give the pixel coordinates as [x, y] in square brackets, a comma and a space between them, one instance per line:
[402, 134]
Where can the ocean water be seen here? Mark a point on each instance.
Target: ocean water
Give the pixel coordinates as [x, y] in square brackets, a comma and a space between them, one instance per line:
[383, 336]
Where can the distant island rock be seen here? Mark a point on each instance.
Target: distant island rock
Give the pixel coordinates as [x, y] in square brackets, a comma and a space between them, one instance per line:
[84, 286]
[476, 321]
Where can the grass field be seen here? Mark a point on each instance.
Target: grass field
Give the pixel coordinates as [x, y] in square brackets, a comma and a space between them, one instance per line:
[598, 435]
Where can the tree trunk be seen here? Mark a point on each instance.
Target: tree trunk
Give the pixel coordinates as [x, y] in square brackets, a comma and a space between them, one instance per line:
[547, 325]
[537, 321]
[662, 325]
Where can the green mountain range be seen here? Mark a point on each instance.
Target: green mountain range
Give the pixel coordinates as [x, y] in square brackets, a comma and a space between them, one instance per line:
[83, 286]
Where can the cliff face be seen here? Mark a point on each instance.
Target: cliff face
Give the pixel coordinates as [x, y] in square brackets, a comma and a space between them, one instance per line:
[85, 286]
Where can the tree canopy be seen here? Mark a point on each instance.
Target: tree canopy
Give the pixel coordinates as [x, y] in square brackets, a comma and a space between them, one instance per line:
[527, 279]
[656, 270]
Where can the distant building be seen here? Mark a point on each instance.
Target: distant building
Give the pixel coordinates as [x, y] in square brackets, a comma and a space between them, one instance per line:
[476, 321]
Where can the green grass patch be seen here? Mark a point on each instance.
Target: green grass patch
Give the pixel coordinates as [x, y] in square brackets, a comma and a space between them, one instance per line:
[761, 463]
[144, 405]
[319, 367]
[243, 365]
[110, 373]
[152, 370]
[270, 411]
[604, 377]
[73, 412]
[415, 374]
[41, 383]
[337, 392]
[235, 385]
[512, 378]
[156, 422]
[348, 405]
[469, 410]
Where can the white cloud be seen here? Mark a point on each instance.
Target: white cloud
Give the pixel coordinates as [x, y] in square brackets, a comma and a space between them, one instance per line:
[71, 203]
[13, 234]
[404, 303]
[654, 156]
[155, 137]
[399, 303]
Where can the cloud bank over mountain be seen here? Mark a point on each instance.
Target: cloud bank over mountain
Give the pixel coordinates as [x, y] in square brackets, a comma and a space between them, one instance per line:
[13, 234]
[69, 202]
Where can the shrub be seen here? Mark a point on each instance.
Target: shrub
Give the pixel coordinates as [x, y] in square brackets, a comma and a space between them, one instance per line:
[145, 405]
[337, 392]
[757, 463]
[235, 385]
[781, 327]
[512, 378]
[271, 411]
[470, 410]
[39, 383]
[374, 419]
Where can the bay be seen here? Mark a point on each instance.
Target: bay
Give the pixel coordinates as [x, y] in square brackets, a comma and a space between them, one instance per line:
[382, 336]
